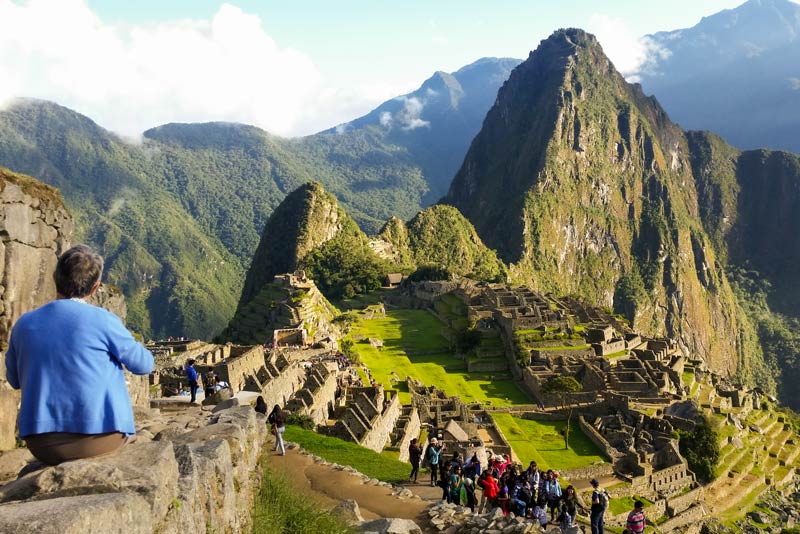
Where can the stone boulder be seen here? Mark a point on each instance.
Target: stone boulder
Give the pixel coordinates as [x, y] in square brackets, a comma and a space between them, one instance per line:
[391, 525]
[109, 513]
[147, 469]
[349, 511]
[219, 397]
[221, 404]
[12, 462]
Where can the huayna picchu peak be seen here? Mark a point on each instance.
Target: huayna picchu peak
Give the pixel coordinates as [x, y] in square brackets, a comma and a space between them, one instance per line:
[583, 184]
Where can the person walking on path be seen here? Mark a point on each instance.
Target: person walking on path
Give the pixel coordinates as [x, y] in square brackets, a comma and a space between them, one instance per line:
[599, 505]
[636, 519]
[414, 455]
[434, 452]
[191, 377]
[278, 422]
[68, 357]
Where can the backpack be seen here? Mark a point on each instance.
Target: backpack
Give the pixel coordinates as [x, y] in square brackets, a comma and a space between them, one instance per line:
[603, 498]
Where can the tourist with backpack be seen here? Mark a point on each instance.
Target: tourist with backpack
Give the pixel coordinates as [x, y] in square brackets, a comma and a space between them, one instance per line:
[599, 506]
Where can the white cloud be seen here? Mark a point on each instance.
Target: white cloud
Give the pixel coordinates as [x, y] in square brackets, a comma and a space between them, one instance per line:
[409, 116]
[132, 78]
[630, 53]
[385, 118]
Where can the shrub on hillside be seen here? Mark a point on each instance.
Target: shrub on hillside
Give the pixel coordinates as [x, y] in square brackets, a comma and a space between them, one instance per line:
[700, 447]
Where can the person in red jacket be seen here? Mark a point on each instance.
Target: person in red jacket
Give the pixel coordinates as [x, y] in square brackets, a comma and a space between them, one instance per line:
[490, 490]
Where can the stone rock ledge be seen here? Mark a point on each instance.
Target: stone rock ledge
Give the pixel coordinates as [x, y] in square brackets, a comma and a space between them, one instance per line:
[196, 481]
[453, 519]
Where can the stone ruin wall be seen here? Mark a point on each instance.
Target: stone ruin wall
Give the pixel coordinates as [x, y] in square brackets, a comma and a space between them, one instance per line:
[35, 228]
[281, 385]
[410, 431]
[317, 395]
[596, 438]
[239, 368]
[195, 481]
[382, 425]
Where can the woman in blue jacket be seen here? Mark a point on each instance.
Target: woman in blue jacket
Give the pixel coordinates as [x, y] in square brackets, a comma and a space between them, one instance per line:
[67, 357]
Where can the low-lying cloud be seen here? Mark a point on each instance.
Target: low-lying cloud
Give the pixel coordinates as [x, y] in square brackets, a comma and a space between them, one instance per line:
[630, 53]
[132, 78]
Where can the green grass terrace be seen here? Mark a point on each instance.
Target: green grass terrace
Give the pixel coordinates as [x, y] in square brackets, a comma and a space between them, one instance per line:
[543, 442]
[413, 346]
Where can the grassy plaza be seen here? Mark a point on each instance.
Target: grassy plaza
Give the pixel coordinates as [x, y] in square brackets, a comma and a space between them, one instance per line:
[413, 346]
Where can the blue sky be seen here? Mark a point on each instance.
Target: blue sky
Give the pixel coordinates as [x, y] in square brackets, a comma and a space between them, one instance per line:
[292, 67]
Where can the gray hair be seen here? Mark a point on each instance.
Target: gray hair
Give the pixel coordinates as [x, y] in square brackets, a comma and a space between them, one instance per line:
[77, 272]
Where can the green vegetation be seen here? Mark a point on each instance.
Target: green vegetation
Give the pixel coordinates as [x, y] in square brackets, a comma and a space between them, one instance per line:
[563, 386]
[778, 334]
[280, 509]
[380, 466]
[543, 441]
[413, 346]
[345, 266]
[700, 447]
[620, 505]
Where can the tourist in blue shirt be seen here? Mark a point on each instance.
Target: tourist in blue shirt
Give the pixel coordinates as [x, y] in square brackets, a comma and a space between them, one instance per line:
[67, 357]
[191, 376]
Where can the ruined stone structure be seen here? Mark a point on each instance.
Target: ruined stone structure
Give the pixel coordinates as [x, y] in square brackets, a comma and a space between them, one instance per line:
[288, 311]
[318, 395]
[449, 419]
[369, 417]
[35, 228]
[407, 428]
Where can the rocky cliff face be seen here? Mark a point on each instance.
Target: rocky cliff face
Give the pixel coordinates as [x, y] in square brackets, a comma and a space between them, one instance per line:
[585, 185]
[35, 228]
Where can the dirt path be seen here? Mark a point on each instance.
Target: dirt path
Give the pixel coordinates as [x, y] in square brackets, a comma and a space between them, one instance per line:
[328, 487]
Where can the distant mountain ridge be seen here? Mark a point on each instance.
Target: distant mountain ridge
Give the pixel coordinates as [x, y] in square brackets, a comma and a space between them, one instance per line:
[179, 215]
[734, 73]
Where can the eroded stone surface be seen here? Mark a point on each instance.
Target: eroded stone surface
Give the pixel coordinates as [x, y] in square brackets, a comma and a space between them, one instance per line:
[108, 513]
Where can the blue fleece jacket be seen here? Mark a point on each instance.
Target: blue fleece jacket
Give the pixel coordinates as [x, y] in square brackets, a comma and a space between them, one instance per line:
[67, 358]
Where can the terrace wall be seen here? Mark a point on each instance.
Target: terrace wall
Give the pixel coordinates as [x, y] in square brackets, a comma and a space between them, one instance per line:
[411, 431]
[382, 425]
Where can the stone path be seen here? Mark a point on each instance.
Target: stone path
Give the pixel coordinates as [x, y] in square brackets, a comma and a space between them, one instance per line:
[328, 486]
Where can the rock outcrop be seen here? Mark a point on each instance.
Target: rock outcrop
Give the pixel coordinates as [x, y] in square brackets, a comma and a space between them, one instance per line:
[35, 228]
[200, 480]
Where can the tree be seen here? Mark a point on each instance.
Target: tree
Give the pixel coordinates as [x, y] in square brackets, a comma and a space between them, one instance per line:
[563, 386]
[700, 447]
